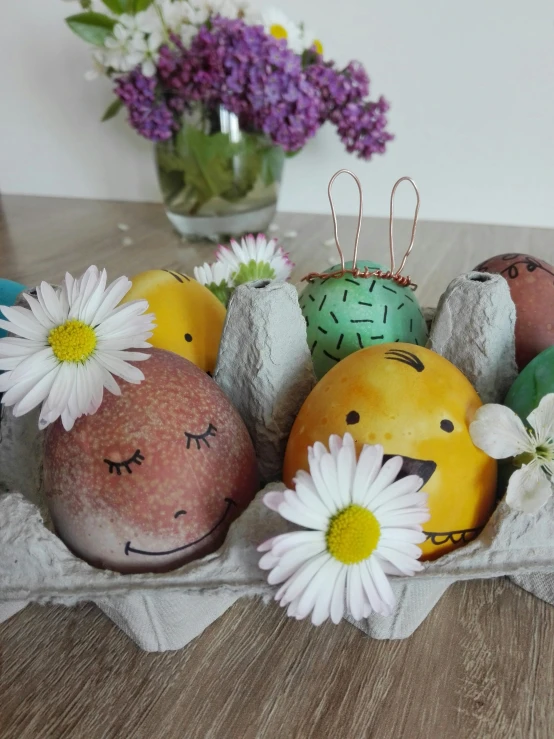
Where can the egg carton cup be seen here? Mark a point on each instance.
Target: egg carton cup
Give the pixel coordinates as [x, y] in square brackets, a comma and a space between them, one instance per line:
[265, 335]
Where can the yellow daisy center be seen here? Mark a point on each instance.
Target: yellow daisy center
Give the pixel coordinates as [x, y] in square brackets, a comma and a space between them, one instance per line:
[278, 31]
[318, 46]
[352, 535]
[73, 341]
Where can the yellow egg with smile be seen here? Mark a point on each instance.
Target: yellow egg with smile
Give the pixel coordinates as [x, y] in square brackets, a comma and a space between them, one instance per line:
[419, 406]
[189, 318]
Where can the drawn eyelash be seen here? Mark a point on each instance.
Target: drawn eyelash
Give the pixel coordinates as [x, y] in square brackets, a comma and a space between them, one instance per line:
[210, 431]
[137, 458]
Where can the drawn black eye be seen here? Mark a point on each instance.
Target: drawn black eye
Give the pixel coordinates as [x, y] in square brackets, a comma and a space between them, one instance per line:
[197, 438]
[447, 426]
[180, 513]
[352, 418]
[137, 458]
[188, 337]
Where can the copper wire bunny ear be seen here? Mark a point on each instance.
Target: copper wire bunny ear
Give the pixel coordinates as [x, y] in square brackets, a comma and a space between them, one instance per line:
[391, 274]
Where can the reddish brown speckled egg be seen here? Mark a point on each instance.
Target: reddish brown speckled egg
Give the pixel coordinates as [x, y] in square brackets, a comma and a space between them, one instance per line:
[531, 282]
[155, 477]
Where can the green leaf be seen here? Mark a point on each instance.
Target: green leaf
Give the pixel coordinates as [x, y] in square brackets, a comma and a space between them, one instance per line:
[91, 27]
[207, 161]
[112, 110]
[116, 6]
[272, 165]
[140, 5]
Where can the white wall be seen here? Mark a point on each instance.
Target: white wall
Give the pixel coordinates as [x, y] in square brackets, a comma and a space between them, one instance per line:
[471, 85]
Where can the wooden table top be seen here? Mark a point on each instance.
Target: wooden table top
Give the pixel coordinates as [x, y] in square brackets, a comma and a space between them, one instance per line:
[481, 665]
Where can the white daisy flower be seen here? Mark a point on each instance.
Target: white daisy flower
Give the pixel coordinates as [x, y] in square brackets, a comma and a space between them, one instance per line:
[279, 26]
[69, 345]
[361, 524]
[255, 258]
[217, 278]
[501, 434]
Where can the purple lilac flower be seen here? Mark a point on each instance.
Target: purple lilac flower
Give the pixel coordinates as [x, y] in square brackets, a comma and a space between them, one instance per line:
[250, 73]
[263, 82]
[360, 123]
[149, 116]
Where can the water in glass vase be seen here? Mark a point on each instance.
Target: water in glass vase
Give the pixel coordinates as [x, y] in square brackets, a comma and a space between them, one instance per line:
[218, 180]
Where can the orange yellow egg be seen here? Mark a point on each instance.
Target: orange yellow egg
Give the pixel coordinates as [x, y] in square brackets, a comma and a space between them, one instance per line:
[189, 318]
[417, 405]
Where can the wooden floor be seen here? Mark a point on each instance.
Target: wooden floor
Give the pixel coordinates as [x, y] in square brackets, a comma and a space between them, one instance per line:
[481, 666]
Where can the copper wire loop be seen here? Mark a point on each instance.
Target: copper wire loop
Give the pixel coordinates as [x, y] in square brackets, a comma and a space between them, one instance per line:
[391, 274]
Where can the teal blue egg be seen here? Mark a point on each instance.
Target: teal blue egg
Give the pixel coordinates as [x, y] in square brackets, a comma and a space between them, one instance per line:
[534, 382]
[348, 313]
[8, 295]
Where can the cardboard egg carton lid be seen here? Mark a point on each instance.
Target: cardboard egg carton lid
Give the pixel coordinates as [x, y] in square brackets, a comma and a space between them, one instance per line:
[164, 611]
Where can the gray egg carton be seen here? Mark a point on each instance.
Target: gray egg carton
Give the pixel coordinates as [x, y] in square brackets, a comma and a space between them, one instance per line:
[265, 368]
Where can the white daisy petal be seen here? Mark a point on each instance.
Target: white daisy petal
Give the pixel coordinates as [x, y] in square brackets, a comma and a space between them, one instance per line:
[312, 500]
[39, 313]
[346, 469]
[50, 302]
[37, 393]
[404, 563]
[324, 597]
[528, 489]
[372, 596]
[120, 368]
[382, 585]
[354, 592]
[499, 432]
[309, 519]
[398, 502]
[319, 583]
[290, 562]
[112, 297]
[273, 500]
[367, 469]
[387, 474]
[21, 326]
[285, 542]
[397, 493]
[296, 584]
[339, 597]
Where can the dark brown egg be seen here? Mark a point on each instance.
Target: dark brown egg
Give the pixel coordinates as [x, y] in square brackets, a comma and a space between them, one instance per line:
[531, 282]
[155, 477]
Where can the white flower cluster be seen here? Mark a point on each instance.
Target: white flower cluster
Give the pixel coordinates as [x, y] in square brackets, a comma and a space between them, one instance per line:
[136, 39]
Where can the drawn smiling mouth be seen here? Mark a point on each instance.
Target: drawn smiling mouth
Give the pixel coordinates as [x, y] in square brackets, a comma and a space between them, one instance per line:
[128, 548]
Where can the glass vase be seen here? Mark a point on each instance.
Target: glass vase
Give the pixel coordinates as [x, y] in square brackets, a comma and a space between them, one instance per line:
[217, 179]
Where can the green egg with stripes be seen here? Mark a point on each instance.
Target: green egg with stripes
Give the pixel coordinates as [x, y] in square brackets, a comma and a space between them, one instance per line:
[347, 313]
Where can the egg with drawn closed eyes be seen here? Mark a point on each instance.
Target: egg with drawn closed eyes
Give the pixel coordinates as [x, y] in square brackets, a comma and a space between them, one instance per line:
[155, 477]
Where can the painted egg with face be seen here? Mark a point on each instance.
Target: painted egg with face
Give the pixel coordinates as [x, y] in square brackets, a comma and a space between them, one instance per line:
[189, 318]
[531, 283]
[347, 313]
[417, 405]
[156, 476]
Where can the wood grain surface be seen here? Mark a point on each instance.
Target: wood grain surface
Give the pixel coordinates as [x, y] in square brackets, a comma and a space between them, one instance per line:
[481, 665]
